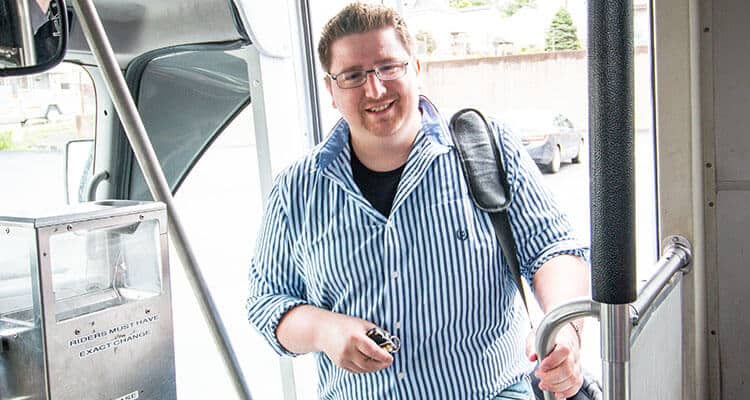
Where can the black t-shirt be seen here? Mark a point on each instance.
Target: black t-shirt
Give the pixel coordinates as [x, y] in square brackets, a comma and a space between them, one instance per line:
[379, 188]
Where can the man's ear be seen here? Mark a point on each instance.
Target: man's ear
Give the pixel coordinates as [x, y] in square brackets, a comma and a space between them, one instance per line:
[330, 90]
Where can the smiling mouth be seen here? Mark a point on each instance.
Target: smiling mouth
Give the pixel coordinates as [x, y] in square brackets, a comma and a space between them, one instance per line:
[380, 108]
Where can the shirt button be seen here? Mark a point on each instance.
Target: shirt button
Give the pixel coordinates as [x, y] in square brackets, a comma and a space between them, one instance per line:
[394, 275]
[397, 325]
[401, 375]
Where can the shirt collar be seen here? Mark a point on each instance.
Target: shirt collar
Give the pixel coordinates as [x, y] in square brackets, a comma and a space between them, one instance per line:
[434, 129]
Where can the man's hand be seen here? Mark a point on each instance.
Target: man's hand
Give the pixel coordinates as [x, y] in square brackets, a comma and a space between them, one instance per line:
[559, 372]
[559, 280]
[342, 338]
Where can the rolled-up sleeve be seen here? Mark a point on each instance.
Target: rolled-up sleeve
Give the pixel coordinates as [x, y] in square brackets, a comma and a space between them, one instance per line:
[275, 285]
[541, 229]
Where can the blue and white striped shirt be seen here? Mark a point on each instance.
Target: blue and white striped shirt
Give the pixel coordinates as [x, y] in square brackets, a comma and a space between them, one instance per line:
[432, 273]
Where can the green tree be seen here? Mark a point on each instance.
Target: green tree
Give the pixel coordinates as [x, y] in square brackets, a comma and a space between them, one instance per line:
[425, 38]
[5, 140]
[562, 34]
[468, 3]
[512, 6]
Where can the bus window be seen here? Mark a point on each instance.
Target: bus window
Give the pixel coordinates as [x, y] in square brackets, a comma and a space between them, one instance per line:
[525, 64]
[220, 204]
[529, 59]
[40, 115]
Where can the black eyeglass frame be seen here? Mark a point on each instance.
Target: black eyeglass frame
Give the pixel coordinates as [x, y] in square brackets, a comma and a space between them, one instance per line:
[375, 70]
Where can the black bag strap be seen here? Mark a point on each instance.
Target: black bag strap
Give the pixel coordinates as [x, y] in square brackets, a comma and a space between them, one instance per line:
[485, 175]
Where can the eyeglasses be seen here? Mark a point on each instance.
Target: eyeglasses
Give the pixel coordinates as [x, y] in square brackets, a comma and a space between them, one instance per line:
[384, 72]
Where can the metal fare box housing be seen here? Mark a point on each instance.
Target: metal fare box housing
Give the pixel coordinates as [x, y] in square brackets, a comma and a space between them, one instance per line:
[85, 304]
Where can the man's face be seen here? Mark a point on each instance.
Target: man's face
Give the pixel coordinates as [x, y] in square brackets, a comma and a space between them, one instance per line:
[377, 108]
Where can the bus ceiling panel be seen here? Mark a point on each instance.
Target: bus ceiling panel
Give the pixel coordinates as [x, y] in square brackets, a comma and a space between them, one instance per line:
[135, 27]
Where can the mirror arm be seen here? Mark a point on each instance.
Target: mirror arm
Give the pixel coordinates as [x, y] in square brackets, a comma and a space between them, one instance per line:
[28, 53]
[94, 184]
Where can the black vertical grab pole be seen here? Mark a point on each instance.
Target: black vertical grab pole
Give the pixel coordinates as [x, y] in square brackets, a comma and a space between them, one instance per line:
[611, 133]
[612, 151]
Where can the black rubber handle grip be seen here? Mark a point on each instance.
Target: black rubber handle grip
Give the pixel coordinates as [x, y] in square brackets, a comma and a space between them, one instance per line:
[611, 133]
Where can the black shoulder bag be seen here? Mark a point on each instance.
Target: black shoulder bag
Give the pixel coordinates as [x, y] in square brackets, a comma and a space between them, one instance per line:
[482, 165]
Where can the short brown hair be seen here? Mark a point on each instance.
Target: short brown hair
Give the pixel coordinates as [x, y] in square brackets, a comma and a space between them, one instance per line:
[360, 18]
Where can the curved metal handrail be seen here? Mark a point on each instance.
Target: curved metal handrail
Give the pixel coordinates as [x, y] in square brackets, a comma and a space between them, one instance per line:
[554, 320]
[675, 261]
[676, 257]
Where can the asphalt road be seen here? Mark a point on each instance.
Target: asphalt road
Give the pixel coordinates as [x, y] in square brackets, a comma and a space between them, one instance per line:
[31, 179]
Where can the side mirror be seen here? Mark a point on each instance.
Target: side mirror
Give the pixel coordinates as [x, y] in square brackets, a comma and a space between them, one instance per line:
[33, 35]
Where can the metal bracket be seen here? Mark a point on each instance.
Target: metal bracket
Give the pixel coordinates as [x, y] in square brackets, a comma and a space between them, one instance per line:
[679, 242]
[94, 183]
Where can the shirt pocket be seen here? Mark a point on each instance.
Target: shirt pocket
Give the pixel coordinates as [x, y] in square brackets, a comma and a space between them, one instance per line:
[462, 228]
[463, 244]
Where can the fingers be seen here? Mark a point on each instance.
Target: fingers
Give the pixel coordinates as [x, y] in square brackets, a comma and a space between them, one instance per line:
[558, 357]
[346, 343]
[567, 337]
[560, 372]
[564, 388]
[362, 355]
[358, 365]
[362, 363]
[375, 357]
[560, 381]
[565, 350]
[567, 388]
[374, 352]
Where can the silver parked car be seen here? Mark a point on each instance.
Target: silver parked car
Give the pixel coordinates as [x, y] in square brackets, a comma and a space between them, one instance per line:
[550, 140]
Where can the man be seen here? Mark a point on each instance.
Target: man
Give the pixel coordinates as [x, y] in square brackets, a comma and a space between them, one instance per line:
[375, 227]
